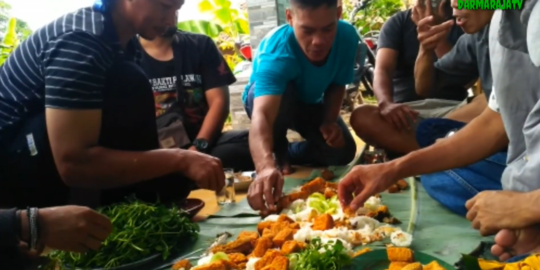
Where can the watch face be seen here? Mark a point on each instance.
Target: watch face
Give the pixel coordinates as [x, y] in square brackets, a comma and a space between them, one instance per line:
[201, 144]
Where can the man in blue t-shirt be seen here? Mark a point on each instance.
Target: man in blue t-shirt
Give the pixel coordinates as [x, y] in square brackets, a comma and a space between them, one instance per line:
[298, 82]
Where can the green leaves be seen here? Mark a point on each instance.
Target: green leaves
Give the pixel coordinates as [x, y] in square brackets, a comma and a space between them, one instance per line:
[10, 41]
[470, 262]
[140, 230]
[201, 27]
[329, 256]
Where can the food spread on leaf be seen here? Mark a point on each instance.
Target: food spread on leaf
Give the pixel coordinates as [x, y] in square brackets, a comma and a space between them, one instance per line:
[531, 262]
[403, 259]
[311, 231]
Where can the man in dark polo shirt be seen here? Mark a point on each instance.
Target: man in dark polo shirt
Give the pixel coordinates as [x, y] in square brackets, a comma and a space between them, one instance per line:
[77, 113]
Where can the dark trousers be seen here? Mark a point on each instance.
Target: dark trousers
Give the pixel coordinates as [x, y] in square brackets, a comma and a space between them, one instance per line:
[306, 119]
[232, 148]
[128, 123]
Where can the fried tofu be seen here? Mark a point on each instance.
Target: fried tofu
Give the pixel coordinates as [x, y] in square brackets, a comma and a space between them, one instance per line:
[237, 258]
[283, 236]
[219, 265]
[263, 245]
[278, 263]
[316, 185]
[399, 254]
[298, 195]
[248, 235]
[332, 185]
[241, 245]
[268, 233]
[292, 247]
[284, 219]
[434, 265]
[397, 265]
[413, 266]
[329, 193]
[267, 259]
[182, 265]
[295, 226]
[323, 222]
[360, 252]
[402, 184]
[264, 225]
[394, 189]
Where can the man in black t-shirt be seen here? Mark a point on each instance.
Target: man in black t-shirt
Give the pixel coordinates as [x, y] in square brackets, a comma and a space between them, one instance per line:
[392, 124]
[204, 95]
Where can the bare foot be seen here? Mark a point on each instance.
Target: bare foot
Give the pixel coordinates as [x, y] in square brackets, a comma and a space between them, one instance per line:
[510, 243]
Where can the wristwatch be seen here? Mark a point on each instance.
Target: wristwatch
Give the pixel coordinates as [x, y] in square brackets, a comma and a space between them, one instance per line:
[200, 144]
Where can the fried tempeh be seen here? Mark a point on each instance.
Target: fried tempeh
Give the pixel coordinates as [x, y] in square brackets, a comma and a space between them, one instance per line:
[182, 265]
[316, 185]
[248, 235]
[413, 266]
[267, 259]
[284, 235]
[323, 222]
[264, 225]
[263, 245]
[399, 254]
[434, 265]
[242, 245]
[292, 247]
[397, 265]
[237, 258]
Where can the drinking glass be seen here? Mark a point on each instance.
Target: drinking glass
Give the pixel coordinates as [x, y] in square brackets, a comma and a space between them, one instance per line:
[227, 194]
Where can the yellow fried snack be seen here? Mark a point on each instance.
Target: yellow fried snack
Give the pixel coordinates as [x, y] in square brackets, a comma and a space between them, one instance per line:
[413, 266]
[292, 247]
[360, 252]
[399, 254]
[278, 263]
[264, 225]
[316, 185]
[284, 219]
[284, 235]
[323, 222]
[182, 265]
[241, 245]
[263, 245]
[434, 265]
[267, 259]
[237, 258]
[248, 235]
[397, 265]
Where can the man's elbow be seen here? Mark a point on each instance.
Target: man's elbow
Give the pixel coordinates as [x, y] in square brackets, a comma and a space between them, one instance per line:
[70, 166]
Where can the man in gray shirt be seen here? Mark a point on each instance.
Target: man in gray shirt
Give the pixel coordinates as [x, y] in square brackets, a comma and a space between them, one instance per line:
[512, 119]
[467, 61]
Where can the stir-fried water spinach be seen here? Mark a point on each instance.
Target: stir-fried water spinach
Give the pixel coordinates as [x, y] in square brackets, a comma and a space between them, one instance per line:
[319, 255]
[140, 230]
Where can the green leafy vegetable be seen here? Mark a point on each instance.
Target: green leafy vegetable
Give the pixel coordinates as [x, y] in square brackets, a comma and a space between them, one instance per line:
[319, 256]
[470, 262]
[318, 202]
[140, 230]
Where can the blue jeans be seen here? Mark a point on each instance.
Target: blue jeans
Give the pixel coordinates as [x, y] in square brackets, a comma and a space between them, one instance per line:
[452, 188]
[306, 119]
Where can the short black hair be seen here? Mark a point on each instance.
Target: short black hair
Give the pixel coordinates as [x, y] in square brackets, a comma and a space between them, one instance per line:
[313, 4]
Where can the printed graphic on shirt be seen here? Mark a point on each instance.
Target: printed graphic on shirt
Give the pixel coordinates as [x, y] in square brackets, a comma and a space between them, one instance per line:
[493, 102]
[165, 95]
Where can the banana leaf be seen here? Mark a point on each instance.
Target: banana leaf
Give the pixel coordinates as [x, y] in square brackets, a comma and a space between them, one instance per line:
[201, 27]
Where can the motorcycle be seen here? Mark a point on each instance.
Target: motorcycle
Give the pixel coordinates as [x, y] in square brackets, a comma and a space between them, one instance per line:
[363, 72]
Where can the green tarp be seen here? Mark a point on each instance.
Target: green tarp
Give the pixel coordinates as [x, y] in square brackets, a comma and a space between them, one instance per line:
[436, 231]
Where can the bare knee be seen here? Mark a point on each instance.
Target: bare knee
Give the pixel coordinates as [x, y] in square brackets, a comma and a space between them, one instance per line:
[363, 120]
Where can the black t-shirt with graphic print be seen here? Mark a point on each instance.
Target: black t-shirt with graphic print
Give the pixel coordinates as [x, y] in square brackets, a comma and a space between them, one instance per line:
[203, 68]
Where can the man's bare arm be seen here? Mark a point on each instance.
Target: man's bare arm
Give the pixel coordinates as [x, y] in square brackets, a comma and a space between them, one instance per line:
[482, 137]
[424, 72]
[333, 99]
[261, 140]
[218, 110]
[81, 162]
[384, 70]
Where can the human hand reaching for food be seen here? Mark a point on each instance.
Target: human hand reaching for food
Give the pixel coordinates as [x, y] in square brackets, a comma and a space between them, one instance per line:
[265, 191]
[364, 181]
[333, 135]
[73, 228]
[203, 169]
